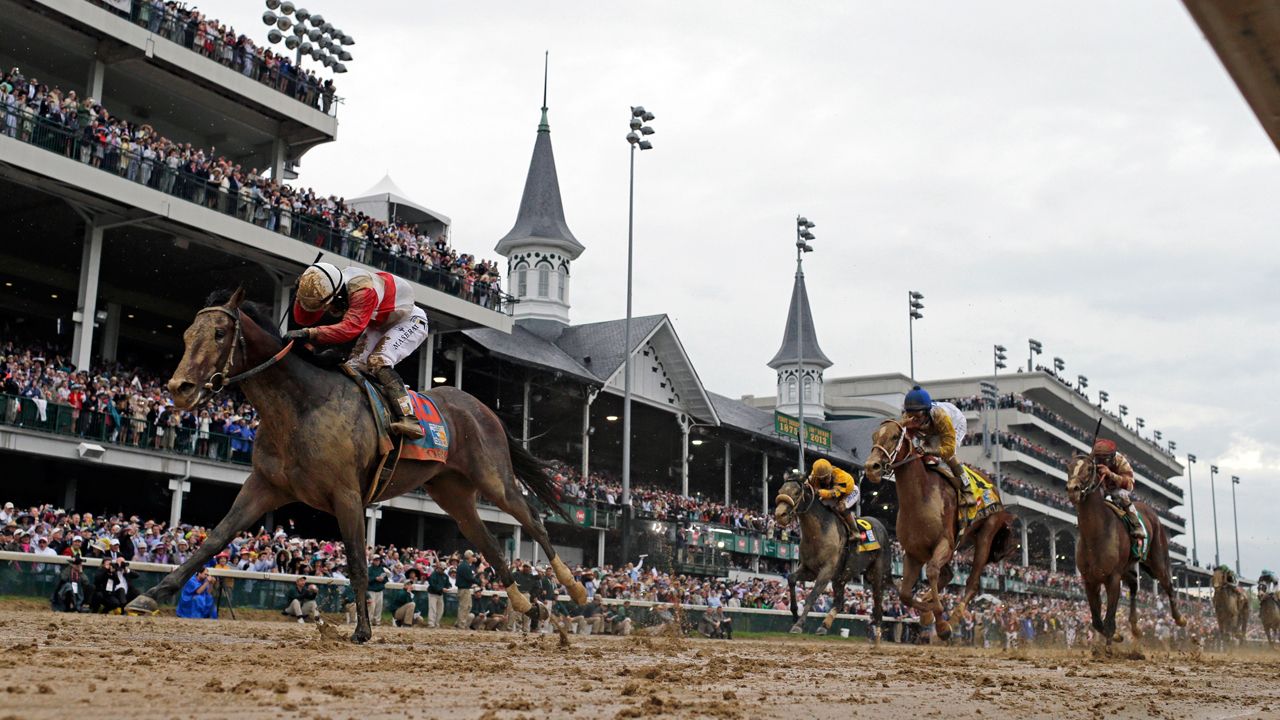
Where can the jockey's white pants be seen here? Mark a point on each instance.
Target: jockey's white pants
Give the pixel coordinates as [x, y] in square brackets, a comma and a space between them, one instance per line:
[387, 346]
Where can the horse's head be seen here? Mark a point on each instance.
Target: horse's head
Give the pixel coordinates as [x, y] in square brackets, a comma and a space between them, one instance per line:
[886, 445]
[791, 496]
[210, 351]
[1081, 477]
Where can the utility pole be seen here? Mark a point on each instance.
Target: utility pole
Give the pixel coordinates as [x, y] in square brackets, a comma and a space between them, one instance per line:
[803, 236]
[1191, 494]
[999, 365]
[914, 306]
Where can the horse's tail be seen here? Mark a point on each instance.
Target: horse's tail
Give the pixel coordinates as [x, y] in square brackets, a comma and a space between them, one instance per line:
[532, 473]
[1002, 545]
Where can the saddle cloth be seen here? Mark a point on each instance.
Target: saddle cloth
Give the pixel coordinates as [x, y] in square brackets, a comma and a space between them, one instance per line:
[1138, 547]
[985, 493]
[867, 540]
[434, 445]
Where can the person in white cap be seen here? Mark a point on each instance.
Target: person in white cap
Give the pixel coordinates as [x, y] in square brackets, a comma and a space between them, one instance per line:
[378, 312]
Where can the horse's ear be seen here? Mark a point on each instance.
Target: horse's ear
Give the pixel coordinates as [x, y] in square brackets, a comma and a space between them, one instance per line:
[237, 298]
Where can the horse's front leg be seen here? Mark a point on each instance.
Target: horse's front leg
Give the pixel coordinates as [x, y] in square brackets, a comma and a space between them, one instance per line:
[1113, 600]
[933, 571]
[348, 508]
[256, 497]
[801, 575]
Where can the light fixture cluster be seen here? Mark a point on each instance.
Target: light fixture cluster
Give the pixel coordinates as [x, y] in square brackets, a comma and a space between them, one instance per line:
[311, 34]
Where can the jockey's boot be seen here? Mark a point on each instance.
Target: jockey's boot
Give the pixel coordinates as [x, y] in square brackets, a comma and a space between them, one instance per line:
[1136, 530]
[407, 424]
[851, 525]
[960, 482]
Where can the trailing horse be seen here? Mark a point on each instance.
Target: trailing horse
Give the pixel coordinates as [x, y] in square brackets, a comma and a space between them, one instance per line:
[1231, 606]
[1269, 613]
[1104, 553]
[829, 555]
[928, 523]
[318, 444]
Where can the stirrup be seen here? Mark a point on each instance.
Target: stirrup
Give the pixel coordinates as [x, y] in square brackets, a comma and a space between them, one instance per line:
[408, 428]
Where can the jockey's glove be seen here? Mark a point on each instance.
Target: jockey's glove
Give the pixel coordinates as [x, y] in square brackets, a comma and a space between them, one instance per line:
[303, 334]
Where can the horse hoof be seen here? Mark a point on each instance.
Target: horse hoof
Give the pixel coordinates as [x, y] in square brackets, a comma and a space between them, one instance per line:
[796, 630]
[926, 618]
[1137, 632]
[821, 631]
[1182, 622]
[142, 605]
[944, 630]
[1117, 638]
[360, 638]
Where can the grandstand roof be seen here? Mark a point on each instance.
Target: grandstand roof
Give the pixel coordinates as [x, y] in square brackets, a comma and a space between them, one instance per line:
[603, 341]
[738, 415]
[787, 354]
[541, 216]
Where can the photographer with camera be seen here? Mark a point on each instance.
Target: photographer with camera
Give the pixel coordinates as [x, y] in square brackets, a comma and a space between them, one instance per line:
[113, 589]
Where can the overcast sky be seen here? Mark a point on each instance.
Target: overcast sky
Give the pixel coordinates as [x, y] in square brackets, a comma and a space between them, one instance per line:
[1083, 173]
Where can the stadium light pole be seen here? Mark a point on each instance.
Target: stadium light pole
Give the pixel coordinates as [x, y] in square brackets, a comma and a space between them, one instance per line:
[1191, 494]
[1036, 349]
[1213, 494]
[1000, 357]
[914, 306]
[1235, 518]
[638, 130]
[803, 236]
[1103, 397]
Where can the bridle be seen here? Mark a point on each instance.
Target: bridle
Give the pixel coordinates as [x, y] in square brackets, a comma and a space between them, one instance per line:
[806, 493]
[219, 381]
[891, 456]
[1094, 476]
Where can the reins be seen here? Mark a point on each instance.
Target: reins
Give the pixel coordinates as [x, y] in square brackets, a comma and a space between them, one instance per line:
[890, 455]
[222, 381]
[805, 491]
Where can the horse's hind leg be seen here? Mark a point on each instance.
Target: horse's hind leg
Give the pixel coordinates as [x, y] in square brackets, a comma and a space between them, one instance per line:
[1131, 580]
[1161, 572]
[513, 503]
[456, 496]
[880, 572]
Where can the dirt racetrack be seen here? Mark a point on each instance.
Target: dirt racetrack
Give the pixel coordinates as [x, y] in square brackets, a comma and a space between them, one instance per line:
[88, 666]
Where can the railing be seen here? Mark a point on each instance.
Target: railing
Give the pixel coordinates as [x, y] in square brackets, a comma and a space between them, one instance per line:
[176, 28]
[246, 206]
[125, 431]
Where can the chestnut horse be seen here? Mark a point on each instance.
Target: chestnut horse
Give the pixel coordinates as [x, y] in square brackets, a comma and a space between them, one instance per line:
[827, 556]
[1231, 606]
[1103, 554]
[1269, 614]
[317, 444]
[927, 525]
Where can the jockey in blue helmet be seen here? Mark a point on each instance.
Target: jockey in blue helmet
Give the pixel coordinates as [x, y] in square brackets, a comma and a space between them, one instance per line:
[938, 428]
[1267, 583]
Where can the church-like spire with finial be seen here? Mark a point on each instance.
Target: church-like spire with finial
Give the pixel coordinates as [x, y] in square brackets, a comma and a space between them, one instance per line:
[540, 247]
[815, 361]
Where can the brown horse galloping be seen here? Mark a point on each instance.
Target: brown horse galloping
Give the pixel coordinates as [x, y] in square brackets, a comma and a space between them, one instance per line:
[1231, 606]
[1103, 551]
[927, 520]
[317, 444]
[1269, 614]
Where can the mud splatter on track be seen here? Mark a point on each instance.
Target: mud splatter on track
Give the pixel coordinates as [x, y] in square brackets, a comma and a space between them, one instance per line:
[81, 666]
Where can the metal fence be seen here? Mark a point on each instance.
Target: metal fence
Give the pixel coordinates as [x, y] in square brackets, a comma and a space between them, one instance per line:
[179, 181]
[123, 430]
[178, 28]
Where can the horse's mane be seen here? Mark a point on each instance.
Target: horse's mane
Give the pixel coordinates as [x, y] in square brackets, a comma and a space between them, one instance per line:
[259, 313]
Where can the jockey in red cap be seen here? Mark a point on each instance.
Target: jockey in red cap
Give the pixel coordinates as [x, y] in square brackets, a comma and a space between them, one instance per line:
[1117, 481]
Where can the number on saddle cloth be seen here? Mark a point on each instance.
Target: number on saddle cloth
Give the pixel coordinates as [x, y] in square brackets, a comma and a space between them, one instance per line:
[867, 540]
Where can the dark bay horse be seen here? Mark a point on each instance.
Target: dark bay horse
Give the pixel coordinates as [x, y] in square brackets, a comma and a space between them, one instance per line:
[827, 556]
[1269, 614]
[317, 444]
[1103, 551]
[927, 526]
[1231, 606]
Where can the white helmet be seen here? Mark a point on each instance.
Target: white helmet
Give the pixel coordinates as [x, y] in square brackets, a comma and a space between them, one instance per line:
[318, 286]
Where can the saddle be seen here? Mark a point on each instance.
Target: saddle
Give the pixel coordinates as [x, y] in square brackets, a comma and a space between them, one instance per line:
[866, 537]
[388, 447]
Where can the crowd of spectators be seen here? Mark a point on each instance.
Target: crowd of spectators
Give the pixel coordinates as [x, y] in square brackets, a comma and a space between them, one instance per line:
[82, 129]
[118, 403]
[191, 29]
[604, 491]
[1020, 444]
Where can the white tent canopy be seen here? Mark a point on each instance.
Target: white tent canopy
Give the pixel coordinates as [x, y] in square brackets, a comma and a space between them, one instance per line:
[386, 200]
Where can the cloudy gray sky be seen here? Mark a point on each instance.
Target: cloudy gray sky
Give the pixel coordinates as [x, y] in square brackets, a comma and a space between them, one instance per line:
[1083, 173]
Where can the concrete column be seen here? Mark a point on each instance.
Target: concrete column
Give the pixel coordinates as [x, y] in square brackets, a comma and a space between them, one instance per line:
[97, 73]
[111, 333]
[69, 495]
[426, 358]
[277, 159]
[764, 485]
[269, 521]
[281, 300]
[87, 296]
[179, 488]
[371, 516]
[684, 459]
[420, 536]
[600, 540]
[518, 536]
[524, 413]
[1026, 558]
[459, 355]
[1053, 551]
[586, 432]
[728, 472]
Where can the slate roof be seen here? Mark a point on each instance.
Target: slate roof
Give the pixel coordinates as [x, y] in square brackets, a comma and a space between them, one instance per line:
[541, 212]
[745, 418]
[602, 342]
[787, 354]
[854, 435]
[522, 346]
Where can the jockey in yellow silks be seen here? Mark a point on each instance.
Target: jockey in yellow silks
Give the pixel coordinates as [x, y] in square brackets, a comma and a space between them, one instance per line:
[937, 428]
[837, 490]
